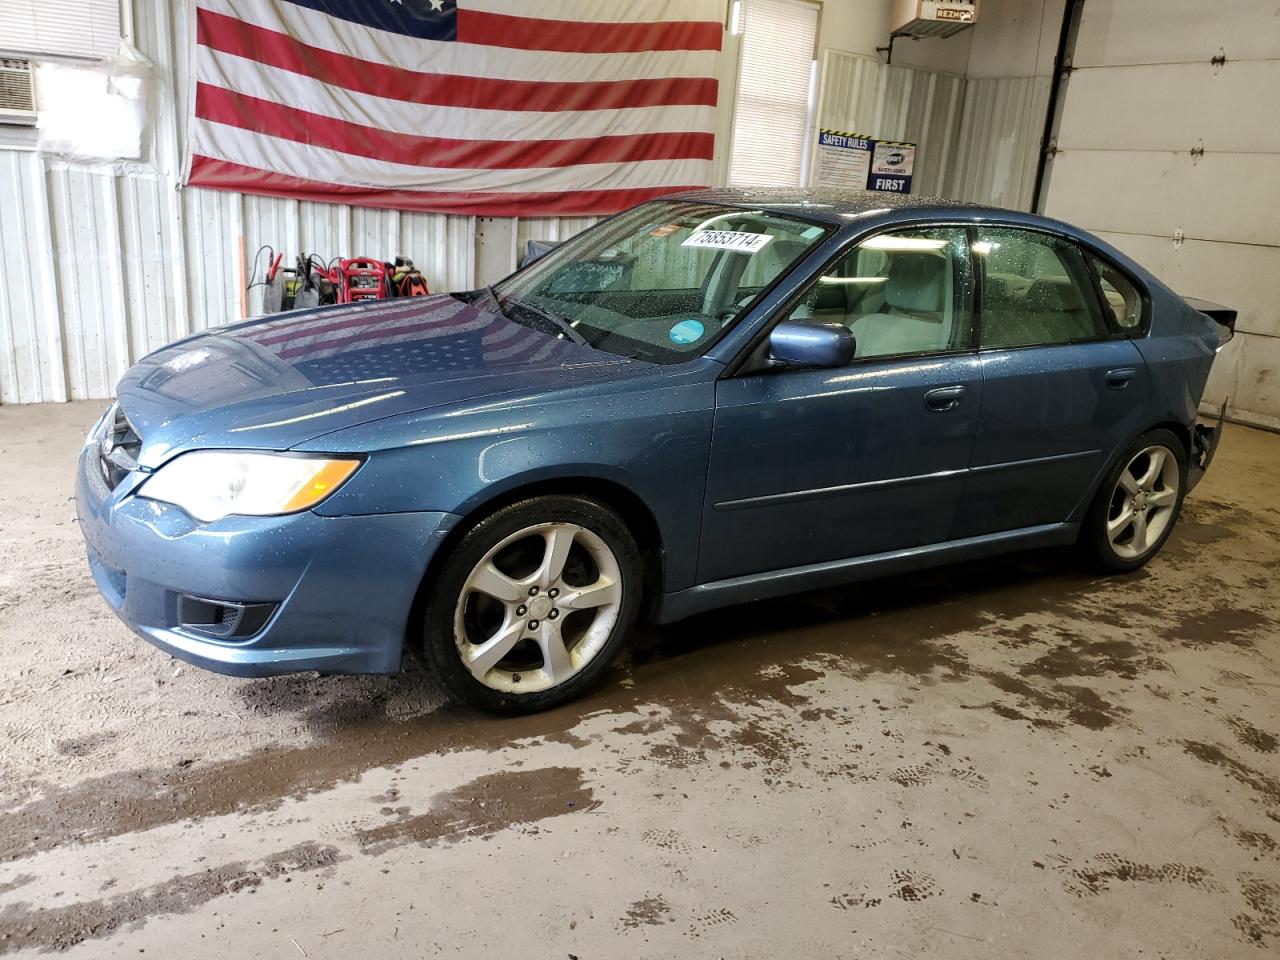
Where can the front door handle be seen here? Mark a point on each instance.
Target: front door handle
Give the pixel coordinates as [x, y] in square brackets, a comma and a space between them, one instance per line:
[1119, 379]
[944, 398]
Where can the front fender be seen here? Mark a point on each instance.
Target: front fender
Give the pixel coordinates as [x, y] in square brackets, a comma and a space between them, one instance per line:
[654, 442]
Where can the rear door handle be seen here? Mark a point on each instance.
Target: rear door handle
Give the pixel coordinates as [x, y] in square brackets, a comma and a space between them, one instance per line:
[1119, 379]
[944, 398]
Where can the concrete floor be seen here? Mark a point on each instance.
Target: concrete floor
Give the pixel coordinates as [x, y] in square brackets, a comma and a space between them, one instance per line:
[1007, 759]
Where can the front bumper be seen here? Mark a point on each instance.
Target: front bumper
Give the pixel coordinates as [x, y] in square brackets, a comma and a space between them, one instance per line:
[341, 587]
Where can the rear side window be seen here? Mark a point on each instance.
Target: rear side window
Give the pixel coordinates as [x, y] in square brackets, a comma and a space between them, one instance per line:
[1121, 296]
[1035, 291]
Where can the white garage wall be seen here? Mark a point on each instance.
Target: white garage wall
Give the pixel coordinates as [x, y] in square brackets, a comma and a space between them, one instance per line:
[998, 142]
[1008, 66]
[1158, 143]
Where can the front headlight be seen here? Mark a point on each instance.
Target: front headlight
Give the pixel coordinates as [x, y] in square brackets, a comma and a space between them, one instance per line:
[98, 429]
[211, 484]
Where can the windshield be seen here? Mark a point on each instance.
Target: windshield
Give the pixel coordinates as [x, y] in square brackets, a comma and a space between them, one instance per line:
[661, 282]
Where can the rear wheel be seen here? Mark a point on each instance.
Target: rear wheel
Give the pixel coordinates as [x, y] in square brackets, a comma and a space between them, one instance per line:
[1137, 506]
[533, 604]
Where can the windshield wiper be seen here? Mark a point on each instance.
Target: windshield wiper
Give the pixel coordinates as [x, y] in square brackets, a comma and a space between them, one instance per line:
[493, 295]
[564, 325]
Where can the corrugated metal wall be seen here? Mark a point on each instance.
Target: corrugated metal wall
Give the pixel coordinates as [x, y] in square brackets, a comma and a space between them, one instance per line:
[862, 95]
[100, 268]
[978, 137]
[998, 141]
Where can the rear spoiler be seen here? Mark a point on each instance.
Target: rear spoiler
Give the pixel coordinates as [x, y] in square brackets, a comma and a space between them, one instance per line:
[1224, 317]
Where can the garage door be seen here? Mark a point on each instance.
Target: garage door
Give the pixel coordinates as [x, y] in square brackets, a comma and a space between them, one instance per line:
[1170, 149]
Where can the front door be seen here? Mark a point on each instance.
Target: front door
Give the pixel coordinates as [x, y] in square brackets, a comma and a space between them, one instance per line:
[810, 466]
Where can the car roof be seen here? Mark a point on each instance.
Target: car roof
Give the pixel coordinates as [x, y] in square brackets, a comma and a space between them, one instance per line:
[861, 210]
[841, 206]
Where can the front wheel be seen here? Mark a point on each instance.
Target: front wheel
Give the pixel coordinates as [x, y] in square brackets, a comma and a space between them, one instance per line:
[1138, 504]
[533, 604]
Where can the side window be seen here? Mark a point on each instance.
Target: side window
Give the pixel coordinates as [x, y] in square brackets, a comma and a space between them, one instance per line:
[899, 293]
[1123, 299]
[1035, 290]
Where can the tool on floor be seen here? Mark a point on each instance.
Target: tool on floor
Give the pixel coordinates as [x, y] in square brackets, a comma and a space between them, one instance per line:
[314, 282]
[362, 278]
[407, 280]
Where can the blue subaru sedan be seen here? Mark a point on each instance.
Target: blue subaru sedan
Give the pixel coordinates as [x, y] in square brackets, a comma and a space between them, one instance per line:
[702, 401]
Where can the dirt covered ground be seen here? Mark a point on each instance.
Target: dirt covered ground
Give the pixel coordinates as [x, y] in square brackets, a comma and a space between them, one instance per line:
[1004, 759]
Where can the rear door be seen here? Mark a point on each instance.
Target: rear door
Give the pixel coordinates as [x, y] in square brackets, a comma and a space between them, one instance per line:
[1063, 386]
[809, 466]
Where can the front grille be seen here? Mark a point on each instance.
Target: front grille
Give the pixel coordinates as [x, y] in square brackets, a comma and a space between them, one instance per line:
[118, 449]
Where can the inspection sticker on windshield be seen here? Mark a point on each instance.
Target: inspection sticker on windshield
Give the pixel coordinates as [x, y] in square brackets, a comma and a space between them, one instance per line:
[728, 240]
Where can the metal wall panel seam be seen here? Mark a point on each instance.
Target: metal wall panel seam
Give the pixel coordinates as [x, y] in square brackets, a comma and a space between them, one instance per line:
[171, 43]
[117, 321]
[55, 359]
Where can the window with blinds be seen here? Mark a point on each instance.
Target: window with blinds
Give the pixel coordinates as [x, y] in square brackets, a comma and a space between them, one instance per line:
[771, 118]
[77, 29]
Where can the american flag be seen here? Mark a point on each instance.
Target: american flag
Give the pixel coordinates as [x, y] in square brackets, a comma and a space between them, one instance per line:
[493, 107]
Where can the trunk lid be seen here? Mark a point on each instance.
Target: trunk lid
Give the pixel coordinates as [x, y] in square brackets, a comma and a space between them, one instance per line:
[1224, 317]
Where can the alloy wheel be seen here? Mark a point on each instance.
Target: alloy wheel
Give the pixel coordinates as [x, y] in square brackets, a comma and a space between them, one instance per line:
[1143, 502]
[538, 607]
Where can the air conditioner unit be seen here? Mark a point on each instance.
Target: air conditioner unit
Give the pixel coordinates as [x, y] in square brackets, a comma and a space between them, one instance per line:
[17, 95]
[931, 18]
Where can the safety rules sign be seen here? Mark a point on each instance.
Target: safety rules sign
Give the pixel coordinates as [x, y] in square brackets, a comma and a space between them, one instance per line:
[856, 162]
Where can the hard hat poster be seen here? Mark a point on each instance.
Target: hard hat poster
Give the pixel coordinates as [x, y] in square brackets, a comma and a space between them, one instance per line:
[891, 166]
[856, 162]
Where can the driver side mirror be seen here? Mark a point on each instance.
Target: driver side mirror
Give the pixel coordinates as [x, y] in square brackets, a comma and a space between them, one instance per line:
[810, 343]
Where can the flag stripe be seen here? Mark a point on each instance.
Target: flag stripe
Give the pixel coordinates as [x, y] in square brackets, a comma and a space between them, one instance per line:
[336, 166]
[384, 335]
[315, 332]
[314, 96]
[297, 330]
[587, 11]
[276, 120]
[219, 32]
[527, 33]
[228, 175]
[355, 330]
[430, 58]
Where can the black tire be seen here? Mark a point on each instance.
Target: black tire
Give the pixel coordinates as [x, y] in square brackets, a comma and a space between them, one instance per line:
[440, 647]
[1094, 541]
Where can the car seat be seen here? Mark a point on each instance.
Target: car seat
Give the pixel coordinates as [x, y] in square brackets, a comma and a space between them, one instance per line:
[917, 313]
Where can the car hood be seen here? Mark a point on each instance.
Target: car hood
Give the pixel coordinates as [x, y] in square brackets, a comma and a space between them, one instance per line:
[282, 380]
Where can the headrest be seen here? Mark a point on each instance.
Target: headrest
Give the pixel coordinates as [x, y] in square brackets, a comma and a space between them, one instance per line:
[1056, 296]
[995, 289]
[831, 296]
[918, 282]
